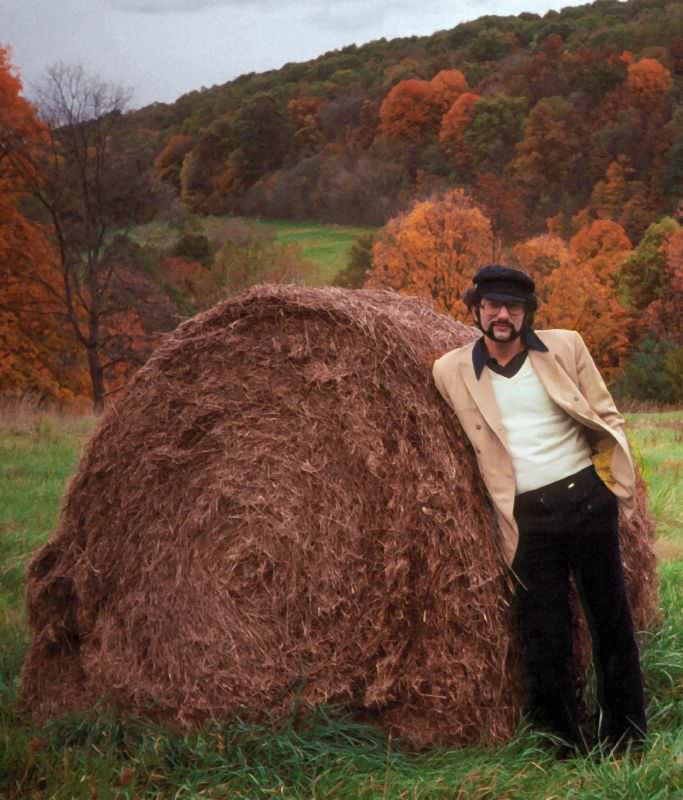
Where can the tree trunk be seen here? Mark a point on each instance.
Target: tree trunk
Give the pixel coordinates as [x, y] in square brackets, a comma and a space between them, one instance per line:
[96, 379]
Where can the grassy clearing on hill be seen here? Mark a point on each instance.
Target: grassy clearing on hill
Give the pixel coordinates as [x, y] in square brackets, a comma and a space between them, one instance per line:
[328, 754]
[329, 246]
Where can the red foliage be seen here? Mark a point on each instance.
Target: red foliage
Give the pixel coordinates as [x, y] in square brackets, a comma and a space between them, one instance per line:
[454, 124]
[410, 110]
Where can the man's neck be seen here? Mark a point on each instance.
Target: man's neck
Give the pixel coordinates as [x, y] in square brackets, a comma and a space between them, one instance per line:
[504, 352]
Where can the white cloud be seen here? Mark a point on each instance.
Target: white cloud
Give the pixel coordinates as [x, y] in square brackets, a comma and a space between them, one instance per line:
[189, 6]
[164, 48]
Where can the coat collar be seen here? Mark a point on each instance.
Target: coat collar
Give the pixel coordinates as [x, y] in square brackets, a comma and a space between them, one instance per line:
[480, 354]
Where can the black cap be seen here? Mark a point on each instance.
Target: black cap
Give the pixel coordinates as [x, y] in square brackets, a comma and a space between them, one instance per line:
[504, 284]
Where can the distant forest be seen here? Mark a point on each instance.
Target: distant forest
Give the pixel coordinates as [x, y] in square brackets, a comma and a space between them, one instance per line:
[551, 142]
[537, 116]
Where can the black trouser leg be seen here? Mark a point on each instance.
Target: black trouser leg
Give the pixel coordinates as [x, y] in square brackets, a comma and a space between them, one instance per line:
[596, 561]
[544, 627]
[573, 528]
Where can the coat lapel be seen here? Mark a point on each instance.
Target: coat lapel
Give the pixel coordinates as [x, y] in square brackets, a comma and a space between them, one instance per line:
[481, 392]
[551, 376]
[561, 388]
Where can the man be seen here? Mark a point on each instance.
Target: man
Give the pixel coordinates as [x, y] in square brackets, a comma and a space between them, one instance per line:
[538, 415]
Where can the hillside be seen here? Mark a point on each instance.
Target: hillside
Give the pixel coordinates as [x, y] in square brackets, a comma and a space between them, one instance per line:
[552, 103]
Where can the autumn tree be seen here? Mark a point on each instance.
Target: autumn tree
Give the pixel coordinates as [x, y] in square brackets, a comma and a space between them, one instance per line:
[611, 193]
[304, 117]
[548, 156]
[581, 293]
[492, 133]
[37, 355]
[502, 203]
[634, 121]
[648, 80]
[640, 279]
[262, 135]
[447, 85]
[672, 170]
[654, 370]
[433, 251]
[454, 124]
[409, 111]
[540, 256]
[203, 165]
[663, 316]
[169, 160]
[544, 73]
[85, 190]
[353, 276]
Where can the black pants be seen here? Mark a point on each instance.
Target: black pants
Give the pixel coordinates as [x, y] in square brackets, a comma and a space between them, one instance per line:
[571, 527]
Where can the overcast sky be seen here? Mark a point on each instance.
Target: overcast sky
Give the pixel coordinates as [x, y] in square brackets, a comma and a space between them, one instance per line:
[164, 48]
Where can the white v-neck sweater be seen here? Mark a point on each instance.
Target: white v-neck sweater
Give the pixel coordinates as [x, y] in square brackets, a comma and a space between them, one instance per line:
[545, 443]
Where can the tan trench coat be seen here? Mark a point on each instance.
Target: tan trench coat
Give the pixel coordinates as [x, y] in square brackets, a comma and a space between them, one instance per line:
[572, 380]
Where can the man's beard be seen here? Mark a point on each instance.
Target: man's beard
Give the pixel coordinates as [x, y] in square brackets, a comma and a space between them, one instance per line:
[490, 332]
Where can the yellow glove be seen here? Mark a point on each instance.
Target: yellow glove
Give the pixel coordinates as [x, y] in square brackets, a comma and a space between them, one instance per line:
[602, 461]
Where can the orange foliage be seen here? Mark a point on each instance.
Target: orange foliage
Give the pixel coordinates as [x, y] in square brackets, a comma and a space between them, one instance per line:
[540, 257]
[409, 110]
[603, 243]
[36, 353]
[581, 293]
[447, 86]
[648, 78]
[609, 195]
[433, 251]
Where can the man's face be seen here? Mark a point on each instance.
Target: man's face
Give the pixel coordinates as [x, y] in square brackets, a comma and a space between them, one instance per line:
[501, 321]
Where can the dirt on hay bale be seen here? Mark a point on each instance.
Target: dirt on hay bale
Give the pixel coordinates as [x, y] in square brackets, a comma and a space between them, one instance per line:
[282, 512]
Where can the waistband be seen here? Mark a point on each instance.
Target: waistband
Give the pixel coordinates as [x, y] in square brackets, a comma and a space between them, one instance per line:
[560, 488]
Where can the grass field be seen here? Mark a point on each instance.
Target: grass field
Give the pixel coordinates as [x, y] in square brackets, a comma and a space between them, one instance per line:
[327, 245]
[328, 755]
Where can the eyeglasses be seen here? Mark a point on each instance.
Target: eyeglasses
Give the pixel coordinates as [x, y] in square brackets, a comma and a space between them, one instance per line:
[494, 306]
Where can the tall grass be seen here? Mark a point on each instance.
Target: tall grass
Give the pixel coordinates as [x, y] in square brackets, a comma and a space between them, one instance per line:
[326, 754]
[657, 439]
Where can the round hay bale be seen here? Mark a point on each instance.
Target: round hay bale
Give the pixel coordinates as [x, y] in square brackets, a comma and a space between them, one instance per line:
[282, 512]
